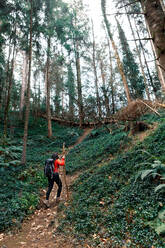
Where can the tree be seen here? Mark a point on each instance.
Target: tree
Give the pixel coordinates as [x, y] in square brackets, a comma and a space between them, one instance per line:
[120, 66]
[131, 69]
[154, 16]
[155, 89]
[23, 159]
[111, 78]
[104, 88]
[10, 82]
[78, 36]
[139, 56]
[95, 73]
[24, 81]
[71, 90]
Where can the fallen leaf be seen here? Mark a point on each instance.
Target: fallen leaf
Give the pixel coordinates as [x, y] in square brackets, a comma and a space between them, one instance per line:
[128, 241]
[1, 236]
[22, 243]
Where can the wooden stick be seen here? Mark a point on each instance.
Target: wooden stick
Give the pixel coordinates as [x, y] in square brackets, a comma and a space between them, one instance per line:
[149, 107]
[64, 173]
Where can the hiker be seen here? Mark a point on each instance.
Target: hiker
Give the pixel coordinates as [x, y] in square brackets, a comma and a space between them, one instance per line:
[55, 178]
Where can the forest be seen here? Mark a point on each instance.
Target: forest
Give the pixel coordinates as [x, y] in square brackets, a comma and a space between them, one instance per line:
[85, 79]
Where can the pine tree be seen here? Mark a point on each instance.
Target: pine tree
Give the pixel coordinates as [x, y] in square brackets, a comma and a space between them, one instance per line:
[70, 84]
[131, 69]
[120, 66]
[23, 159]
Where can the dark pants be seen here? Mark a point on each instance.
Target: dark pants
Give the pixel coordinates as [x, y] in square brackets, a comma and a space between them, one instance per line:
[51, 181]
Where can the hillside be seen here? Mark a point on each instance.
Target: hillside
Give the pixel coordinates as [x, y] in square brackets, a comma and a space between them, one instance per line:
[111, 205]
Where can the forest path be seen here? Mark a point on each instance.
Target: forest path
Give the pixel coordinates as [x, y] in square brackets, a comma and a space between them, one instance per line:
[38, 230]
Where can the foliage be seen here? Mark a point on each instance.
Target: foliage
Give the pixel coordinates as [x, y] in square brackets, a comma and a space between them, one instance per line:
[98, 146]
[131, 69]
[108, 204]
[157, 173]
[20, 185]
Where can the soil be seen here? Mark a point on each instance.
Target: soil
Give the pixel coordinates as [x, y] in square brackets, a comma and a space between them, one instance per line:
[39, 229]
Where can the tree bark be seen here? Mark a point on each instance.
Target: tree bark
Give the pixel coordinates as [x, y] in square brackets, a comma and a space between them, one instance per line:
[106, 100]
[162, 4]
[71, 91]
[6, 81]
[139, 56]
[24, 81]
[160, 71]
[154, 16]
[146, 64]
[95, 74]
[23, 159]
[120, 66]
[79, 87]
[111, 81]
[6, 111]
[48, 90]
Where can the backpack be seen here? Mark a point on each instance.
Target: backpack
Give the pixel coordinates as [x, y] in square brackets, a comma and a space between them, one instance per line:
[49, 167]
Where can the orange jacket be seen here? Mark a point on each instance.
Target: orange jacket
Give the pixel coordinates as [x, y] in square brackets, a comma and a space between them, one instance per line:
[57, 163]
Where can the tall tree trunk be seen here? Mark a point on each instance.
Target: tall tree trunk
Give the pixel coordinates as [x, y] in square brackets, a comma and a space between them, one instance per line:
[48, 90]
[162, 4]
[4, 87]
[79, 87]
[106, 100]
[71, 91]
[154, 16]
[146, 64]
[95, 74]
[9, 93]
[139, 56]
[111, 80]
[57, 98]
[24, 81]
[160, 71]
[23, 159]
[120, 66]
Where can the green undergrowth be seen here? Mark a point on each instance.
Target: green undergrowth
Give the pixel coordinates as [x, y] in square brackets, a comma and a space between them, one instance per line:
[98, 146]
[111, 207]
[20, 184]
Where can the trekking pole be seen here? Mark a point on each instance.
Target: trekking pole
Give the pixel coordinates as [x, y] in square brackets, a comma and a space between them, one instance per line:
[64, 172]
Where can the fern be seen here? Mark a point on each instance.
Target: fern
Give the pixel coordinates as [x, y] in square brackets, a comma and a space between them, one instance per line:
[145, 173]
[158, 170]
[160, 187]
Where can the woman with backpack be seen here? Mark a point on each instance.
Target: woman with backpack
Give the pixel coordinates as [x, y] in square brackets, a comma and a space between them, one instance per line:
[54, 177]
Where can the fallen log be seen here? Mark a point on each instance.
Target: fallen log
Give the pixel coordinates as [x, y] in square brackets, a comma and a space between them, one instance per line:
[85, 124]
[132, 112]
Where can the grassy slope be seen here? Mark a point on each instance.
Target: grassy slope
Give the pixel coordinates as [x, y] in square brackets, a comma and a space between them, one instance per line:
[108, 205]
[19, 185]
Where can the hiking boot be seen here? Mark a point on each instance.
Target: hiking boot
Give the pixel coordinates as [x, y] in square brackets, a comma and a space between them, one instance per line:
[57, 199]
[46, 202]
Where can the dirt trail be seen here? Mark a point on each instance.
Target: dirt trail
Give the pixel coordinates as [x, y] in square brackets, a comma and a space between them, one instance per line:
[81, 138]
[38, 230]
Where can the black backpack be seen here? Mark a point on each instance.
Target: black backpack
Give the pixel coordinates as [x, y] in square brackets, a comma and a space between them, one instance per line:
[49, 167]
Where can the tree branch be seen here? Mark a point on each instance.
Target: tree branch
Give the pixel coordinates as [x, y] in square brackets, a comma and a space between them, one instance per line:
[150, 107]
[128, 4]
[129, 13]
[161, 67]
[141, 39]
